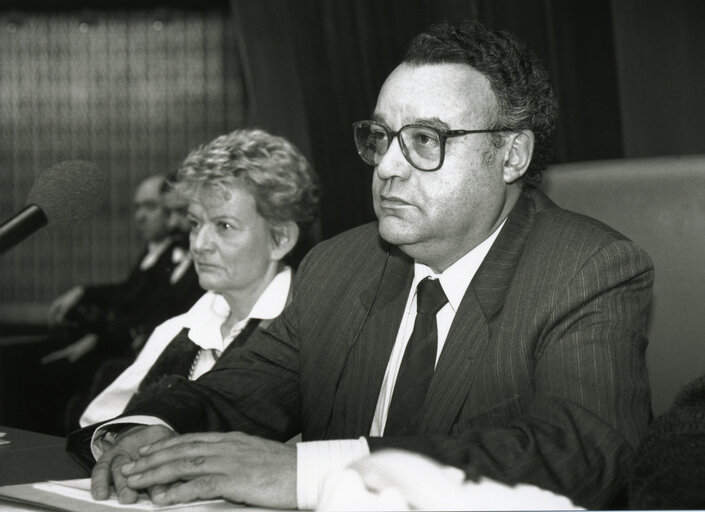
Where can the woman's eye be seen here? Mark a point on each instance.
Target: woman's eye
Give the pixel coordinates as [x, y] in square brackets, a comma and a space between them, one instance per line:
[224, 226]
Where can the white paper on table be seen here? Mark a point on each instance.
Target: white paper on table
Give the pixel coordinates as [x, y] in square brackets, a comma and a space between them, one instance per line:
[80, 489]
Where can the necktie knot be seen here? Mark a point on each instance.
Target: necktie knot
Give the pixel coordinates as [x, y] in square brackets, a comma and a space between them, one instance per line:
[430, 297]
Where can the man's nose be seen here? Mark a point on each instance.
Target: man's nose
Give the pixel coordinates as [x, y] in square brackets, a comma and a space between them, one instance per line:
[393, 163]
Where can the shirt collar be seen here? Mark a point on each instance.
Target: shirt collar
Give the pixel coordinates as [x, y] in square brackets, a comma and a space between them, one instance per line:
[210, 311]
[272, 301]
[154, 250]
[456, 278]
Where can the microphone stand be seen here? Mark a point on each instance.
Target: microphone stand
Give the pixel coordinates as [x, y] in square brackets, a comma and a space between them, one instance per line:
[19, 227]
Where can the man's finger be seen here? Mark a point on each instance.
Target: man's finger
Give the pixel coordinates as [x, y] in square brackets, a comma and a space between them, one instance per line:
[201, 437]
[172, 452]
[157, 490]
[125, 494]
[100, 480]
[201, 488]
[160, 470]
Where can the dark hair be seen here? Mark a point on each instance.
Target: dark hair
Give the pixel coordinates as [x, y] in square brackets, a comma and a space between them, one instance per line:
[520, 83]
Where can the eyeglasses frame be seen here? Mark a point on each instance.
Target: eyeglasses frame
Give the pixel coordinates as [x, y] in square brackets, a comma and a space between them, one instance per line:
[444, 135]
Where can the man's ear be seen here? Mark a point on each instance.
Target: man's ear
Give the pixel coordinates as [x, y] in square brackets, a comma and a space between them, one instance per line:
[518, 155]
[284, 238]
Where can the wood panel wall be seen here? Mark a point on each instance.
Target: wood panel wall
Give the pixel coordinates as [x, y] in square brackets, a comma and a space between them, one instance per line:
[132, 92]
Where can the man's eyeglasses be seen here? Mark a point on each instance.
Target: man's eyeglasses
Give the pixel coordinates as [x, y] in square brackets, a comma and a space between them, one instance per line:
[422, 146]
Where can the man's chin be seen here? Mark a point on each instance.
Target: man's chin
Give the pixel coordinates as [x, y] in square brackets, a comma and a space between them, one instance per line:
[396, 233]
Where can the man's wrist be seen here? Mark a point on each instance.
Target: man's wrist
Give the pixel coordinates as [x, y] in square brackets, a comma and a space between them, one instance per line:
[115, 428]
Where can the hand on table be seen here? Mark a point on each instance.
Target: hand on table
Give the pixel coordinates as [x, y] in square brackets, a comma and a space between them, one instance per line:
[118, 452]
[62, 305]
[234, 466]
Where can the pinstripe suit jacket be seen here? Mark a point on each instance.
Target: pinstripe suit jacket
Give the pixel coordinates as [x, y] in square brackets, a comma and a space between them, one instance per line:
[542, 378]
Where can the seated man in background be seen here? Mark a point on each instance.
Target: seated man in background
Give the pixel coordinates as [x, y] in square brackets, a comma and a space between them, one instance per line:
[250, 197]
[164, 300]
[183, 283]
[111, 317]
[96, 323]
[475, 322]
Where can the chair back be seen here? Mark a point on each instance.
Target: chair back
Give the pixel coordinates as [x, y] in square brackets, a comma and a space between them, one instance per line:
[659, 203]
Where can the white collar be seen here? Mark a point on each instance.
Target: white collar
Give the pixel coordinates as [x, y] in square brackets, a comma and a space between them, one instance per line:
[154, 250]
[456, 278]
[210, 312]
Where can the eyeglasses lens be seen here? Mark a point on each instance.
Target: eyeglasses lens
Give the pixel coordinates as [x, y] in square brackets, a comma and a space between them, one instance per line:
[372, 142]
[420, 145]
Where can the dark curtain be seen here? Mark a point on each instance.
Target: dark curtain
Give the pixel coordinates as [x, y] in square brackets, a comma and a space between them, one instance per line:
[312, 67]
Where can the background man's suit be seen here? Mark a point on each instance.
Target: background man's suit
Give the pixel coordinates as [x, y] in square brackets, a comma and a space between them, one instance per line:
[119, 311]
[542, 378]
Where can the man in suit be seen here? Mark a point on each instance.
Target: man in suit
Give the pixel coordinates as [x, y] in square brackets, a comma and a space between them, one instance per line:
[98, 328]
[174, 290]
[110, 317]
[535, 336]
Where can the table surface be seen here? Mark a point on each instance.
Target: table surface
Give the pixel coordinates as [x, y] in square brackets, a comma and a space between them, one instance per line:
[34, 457]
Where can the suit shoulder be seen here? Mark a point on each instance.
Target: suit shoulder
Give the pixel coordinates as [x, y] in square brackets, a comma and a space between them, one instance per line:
[550, 216]
[572, 232]
[360, 240]
[355, 252]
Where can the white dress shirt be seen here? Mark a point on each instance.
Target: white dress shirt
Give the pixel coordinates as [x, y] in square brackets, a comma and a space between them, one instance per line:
[317, 459]
[182, 260]
[203, 321]
[154, 251]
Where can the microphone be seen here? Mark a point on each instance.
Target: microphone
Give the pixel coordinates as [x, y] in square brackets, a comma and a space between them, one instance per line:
[63, 193]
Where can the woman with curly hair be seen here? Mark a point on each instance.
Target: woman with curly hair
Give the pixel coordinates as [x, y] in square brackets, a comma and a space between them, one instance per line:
[251, 198]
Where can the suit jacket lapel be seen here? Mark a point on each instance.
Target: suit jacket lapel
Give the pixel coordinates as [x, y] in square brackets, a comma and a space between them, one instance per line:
[364, 371]
[470, 333]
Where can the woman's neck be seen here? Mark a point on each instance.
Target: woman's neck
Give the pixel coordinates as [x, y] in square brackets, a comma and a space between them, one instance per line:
[242, 301]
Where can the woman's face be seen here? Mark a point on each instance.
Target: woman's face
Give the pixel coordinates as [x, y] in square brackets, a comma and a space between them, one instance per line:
[232, 246]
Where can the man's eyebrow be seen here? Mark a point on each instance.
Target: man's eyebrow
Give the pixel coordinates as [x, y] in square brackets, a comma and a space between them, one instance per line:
[434, 122]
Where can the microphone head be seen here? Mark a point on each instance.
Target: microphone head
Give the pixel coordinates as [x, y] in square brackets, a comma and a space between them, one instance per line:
[68, 191]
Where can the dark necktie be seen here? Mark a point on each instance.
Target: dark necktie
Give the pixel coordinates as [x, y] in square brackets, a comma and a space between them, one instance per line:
[418, 363]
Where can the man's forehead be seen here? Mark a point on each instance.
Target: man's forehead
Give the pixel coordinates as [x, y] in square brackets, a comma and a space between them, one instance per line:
[148, 190]
[439, 93]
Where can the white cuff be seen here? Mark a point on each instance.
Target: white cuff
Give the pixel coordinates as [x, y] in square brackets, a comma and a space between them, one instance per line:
[315, 460]
[101, 431]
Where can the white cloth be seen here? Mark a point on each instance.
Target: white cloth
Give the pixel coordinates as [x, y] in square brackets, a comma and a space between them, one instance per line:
[316, 460]
[203, 320]
[397, 480]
